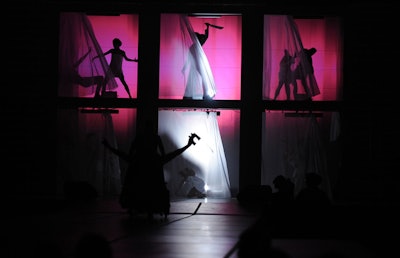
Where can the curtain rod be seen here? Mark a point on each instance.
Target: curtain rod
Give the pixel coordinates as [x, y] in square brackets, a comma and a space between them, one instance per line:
[99, 111]
[193, 109]
[308, 114]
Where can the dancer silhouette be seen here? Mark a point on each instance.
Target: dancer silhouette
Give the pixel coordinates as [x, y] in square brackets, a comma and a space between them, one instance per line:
[117, 57]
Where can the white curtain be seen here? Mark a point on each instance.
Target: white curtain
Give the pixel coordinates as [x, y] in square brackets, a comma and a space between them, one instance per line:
[199, 79]
[206, 158]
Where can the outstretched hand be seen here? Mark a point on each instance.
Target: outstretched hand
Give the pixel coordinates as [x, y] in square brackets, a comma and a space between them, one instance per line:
[191, 139]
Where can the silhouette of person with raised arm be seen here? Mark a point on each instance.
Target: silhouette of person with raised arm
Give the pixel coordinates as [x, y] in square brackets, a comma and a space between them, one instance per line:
[117, 57]
[199, 73]
[144, 187]
[203, 37]
[286, 75]
[86, 81]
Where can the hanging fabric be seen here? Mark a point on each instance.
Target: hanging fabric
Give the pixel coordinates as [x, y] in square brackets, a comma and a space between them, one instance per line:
[79, 74]
[82, 156]
[283, 40]
[207, 158]
[292, 147]
[199, 78]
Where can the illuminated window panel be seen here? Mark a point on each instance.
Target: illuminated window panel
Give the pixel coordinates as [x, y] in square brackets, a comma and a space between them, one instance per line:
[82, 67]
[286, 33]
[214, 157]
[186, 66]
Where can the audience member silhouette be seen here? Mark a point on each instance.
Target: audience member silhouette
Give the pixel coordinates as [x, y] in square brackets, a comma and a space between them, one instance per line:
[117, 57]
[86, 81]
[144, 187]
[284, 195]
[191, 185]
[255, 197]
[312, 195]
[286, 75]
[93, 245]
[304, 71]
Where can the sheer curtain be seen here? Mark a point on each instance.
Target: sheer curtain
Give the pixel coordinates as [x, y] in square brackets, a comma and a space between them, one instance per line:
[77, 47]
[186, 66]
[81, 155]
[294, 144]
[281, 34]
[206, 158]
[298, 143]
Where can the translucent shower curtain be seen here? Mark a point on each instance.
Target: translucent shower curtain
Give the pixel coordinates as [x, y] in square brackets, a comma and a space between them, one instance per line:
[206, 158]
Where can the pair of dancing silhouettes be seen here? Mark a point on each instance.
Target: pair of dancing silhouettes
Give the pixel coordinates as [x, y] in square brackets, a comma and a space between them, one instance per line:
[297, 67]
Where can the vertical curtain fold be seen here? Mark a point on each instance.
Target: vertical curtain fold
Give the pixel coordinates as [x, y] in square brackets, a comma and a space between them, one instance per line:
[197, 70]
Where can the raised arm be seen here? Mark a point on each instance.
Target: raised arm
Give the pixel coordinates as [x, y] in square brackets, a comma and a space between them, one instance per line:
[104, 54]
[169, 156]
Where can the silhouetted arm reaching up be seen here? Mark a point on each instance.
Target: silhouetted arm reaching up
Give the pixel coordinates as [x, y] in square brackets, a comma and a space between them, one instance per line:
[169, 156]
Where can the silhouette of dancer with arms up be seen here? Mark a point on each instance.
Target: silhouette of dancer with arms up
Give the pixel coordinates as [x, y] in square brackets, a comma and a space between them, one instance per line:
[117, 57]
[144, 187]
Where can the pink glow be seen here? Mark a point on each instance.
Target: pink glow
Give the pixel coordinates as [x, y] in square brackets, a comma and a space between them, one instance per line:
[324, 35]
[223, 50]
[125, 27]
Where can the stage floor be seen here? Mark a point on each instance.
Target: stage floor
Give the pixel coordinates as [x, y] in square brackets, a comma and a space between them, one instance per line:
[206, 228]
